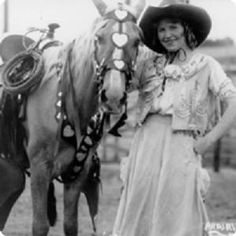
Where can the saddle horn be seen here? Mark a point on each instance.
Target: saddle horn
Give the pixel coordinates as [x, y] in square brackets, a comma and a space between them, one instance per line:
[101, 6]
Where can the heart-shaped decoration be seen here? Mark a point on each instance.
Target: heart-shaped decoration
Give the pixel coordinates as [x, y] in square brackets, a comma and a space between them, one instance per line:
[119, 64]
[58, 116]
[80, 156]
[119, 39]
[68, 131]
[77, 169]
[88, 141]
[59, 103]
[121, 14]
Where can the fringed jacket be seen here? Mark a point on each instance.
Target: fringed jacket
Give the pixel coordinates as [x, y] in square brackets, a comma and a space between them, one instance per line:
[191, 95]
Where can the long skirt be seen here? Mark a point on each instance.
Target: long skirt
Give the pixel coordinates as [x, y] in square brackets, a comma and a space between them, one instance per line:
[164, 187]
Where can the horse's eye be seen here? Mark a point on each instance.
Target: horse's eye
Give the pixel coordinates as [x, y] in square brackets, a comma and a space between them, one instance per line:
[99, 39]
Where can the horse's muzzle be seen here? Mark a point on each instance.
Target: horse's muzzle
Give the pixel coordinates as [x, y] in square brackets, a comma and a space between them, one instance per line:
[113, 94]
[112, 104]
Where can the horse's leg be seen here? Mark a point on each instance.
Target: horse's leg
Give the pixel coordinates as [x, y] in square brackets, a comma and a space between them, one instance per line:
[71, 198]
[40, 179]
[12, 184]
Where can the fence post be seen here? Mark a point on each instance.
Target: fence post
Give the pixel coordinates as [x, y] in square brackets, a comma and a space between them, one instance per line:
[116, 154]
[104, 148]
[6, 16]
[216, 164]
[217, 148]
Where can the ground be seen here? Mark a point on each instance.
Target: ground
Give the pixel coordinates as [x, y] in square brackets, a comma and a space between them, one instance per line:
[221, 204]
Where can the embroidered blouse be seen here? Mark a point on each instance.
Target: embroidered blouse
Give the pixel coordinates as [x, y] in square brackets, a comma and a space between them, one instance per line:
[190, 93]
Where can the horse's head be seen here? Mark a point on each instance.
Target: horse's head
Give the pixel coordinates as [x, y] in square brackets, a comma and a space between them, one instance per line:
[116, 48]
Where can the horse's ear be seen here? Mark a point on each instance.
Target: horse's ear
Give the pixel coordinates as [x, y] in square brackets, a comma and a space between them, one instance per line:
[101, 6]
[138, 7]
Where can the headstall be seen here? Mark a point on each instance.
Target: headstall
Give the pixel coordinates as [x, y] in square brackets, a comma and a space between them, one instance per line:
[120, 40]
[96, 126]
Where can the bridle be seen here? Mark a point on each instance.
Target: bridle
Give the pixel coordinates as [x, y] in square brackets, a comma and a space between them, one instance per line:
[97, 124]
[119, 39]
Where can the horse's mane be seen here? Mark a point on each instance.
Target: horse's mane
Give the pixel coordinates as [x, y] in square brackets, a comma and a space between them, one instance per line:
[83, 56]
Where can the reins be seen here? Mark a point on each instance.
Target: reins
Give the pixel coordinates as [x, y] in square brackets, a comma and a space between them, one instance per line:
[69, 130]
[119, 39]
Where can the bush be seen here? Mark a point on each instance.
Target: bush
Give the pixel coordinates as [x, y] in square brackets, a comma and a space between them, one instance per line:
[218, 42]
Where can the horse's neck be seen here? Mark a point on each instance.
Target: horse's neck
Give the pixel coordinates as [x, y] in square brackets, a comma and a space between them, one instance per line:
[82, 68]
[84, 85]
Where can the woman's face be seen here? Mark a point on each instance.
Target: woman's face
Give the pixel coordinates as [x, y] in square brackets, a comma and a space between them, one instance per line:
[171, 35]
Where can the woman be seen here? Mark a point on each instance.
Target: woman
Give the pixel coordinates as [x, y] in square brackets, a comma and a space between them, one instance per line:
[165, 184]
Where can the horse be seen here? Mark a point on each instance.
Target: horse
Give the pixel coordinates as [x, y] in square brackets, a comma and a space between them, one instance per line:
[82, 80]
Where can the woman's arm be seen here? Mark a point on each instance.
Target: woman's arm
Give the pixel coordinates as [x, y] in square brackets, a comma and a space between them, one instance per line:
[226, 122]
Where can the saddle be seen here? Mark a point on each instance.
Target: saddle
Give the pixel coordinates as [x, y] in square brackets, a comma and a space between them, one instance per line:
[11, 45]
[23, 68]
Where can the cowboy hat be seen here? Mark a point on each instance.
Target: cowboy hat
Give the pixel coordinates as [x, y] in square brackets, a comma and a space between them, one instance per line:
[195, 17]
[13, 44]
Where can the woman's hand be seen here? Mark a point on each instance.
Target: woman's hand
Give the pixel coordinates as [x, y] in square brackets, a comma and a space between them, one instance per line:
[202, 144]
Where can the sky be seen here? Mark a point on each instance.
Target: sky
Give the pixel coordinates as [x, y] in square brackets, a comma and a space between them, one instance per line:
[75, 16]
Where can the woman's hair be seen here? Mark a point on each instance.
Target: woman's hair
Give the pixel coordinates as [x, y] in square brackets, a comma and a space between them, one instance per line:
[190, 38]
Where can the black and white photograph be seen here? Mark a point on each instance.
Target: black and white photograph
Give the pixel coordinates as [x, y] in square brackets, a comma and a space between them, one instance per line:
[117, 118]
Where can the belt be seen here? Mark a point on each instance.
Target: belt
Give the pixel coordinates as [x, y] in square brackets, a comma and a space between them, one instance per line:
[190, 133]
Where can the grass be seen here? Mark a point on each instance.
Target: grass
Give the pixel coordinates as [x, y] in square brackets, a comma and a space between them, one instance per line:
[221, 204]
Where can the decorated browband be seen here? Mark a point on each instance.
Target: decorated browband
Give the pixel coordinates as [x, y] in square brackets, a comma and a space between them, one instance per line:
[120, 39]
